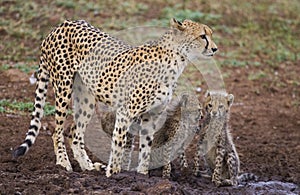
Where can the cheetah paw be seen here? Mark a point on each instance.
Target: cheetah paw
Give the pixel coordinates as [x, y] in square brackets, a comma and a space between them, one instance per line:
[110, 171]
[66, 165]
[99, 166]
[142, 170]
[228, 182]
[184, 166]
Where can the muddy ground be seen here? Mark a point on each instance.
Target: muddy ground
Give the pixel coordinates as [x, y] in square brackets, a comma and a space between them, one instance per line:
[265, 117]
[265, 125]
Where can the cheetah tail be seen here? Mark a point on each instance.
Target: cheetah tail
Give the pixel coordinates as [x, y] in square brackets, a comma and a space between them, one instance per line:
[37, 114]
[247, 177]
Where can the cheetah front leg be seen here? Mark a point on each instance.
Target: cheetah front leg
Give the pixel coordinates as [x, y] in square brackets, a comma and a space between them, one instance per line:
[200, 154]
[207, 172]
[197, 162]
[233, 168]
[126, 162]
[146, 138]
[167, 170]
[216, 176]
[151, 122]
[84, 104]
[183, 162]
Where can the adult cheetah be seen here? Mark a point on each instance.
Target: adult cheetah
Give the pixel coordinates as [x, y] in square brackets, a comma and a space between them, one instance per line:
[134, 80]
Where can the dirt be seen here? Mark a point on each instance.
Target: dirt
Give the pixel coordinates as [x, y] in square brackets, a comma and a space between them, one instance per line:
[265, 123]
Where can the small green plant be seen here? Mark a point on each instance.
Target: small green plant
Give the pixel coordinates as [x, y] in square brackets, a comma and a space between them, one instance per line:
[8, 106]
[4, 67]
[233, 63]
[69, 4]
[3, 103]
[12, 106]
[25, 68]
[256, 76]
[181, 14]
[22, 67]
[49, 109]
[296, 103]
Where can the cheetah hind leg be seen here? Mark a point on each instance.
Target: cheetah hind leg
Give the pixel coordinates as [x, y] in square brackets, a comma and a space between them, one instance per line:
[167, 168]
[62, 101]
[207, 172]
[183, 162]
[84, 104]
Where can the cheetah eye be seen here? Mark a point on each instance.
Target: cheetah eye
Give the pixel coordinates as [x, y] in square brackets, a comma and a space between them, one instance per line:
[221, 106]
[209, 105]
[203, 36]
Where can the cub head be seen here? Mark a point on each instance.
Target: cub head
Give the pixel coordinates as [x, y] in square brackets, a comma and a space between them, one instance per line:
[191, 109]
[217, 104]
[195, 38]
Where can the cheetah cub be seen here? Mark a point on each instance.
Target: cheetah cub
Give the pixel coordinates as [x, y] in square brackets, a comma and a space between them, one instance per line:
[182, 116]
[216, 146]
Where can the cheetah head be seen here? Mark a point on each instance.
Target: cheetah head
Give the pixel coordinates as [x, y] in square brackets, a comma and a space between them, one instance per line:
[195, 39]
[217, 104]
[191, 108]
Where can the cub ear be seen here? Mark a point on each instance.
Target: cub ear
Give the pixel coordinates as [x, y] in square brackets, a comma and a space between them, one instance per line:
[207, 94]
[184, 99]
[230, 99]
[176, 24]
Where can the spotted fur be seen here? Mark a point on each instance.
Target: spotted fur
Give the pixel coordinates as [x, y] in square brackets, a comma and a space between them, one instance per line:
[134, 80]
[183, 114]
[216, 146]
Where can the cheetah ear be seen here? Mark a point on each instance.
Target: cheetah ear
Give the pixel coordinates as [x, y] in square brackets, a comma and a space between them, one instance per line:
[230, 99]
[176, 24]
[207, 94]
[184, 99]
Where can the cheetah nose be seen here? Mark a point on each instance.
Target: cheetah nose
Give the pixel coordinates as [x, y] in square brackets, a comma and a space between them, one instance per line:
[214, 49]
